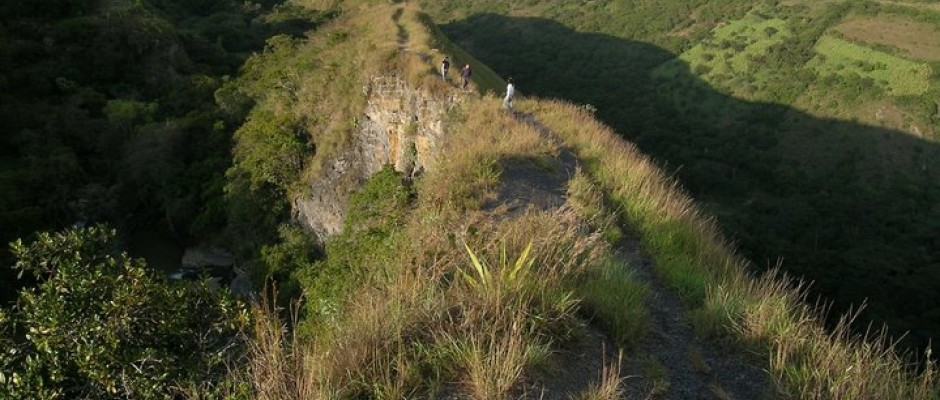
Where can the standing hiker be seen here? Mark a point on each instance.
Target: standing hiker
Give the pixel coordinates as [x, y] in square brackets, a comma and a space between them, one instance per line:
[465, 73]
[445, 65]
[510, 93]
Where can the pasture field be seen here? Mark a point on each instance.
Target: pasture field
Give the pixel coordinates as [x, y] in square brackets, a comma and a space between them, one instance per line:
[918, 5]
[894, 74]
[916, 40]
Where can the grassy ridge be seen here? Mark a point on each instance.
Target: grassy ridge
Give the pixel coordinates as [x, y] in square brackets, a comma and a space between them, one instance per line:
[302, 99]
[426, 305]
[429, 318]
[767, 312]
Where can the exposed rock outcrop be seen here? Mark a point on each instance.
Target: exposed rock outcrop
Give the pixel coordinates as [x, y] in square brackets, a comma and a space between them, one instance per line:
[400, 126]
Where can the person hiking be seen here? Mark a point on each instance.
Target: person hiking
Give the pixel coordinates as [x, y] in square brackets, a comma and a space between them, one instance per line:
[510, 93]
[445, 65]
[465, 73]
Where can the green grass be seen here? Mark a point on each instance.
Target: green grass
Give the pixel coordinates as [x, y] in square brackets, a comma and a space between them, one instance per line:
[898, 76]
[616, 301]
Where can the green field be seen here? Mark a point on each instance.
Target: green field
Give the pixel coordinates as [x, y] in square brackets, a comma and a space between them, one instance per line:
[896, 75]
[730, 57]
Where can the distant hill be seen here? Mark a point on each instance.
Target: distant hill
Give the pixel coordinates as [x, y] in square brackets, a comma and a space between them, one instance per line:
[809, 128]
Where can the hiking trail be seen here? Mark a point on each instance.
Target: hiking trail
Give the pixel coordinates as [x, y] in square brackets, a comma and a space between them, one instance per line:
[670, 361]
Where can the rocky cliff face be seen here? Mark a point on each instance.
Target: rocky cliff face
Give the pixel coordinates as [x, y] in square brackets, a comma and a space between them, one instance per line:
[400, 126]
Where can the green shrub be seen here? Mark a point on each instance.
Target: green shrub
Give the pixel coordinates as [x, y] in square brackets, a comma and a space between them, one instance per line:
[101, 326]
[271, 150]
[374, 222]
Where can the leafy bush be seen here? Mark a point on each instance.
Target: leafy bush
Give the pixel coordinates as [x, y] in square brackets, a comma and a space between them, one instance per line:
[374, 221]
[103, 326]
[271, 149]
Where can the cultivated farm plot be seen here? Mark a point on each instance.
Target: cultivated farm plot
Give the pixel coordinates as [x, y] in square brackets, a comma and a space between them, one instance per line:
[920, 5]
[918, 40]
[896, 75]
[729, 58]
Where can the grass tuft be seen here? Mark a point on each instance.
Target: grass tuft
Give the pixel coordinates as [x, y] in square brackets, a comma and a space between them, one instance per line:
[610, 385]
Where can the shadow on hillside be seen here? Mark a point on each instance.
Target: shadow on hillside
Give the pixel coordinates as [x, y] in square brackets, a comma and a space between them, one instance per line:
[854, 208]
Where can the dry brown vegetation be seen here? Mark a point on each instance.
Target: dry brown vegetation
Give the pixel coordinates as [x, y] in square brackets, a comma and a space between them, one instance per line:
[922, 5]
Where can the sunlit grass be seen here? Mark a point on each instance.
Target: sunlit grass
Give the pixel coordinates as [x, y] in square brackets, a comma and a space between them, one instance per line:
[767, 313]
[899, 76]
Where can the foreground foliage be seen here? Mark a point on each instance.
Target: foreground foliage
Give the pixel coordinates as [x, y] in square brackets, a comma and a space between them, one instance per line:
[101, 326]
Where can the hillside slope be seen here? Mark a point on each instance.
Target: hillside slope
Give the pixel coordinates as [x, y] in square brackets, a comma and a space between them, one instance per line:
[807, 128]
[530, 239]
[407, 238]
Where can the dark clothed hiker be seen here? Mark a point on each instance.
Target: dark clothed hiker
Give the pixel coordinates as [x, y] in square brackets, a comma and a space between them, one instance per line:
[465, 73]
[445, 65]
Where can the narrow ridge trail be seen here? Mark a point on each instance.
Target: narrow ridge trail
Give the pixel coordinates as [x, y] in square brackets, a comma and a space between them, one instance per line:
[540, 184]
[671, 361]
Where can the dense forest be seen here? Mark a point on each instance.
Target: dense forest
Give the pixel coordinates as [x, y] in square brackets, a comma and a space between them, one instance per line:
[118, 118]
[805, 127]
[110, 114]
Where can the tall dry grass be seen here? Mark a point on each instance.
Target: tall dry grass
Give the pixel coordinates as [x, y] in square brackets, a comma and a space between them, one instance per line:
[427, 329]
[768, 312]
[467, 167]
[418, 327]
[281, 365]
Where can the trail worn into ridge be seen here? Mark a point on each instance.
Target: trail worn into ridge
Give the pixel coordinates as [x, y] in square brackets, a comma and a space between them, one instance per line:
[542, 184]
[670, 362]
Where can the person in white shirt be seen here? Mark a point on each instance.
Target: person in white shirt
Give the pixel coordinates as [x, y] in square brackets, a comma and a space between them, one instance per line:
[510, 93]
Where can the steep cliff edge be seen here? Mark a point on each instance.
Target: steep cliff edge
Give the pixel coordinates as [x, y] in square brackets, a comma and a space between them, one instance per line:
[400, 126]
